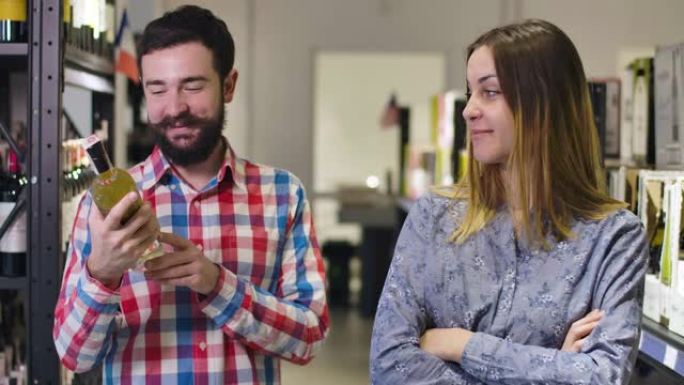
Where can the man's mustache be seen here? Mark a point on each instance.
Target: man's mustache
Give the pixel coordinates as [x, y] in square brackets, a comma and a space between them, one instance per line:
[184, 119]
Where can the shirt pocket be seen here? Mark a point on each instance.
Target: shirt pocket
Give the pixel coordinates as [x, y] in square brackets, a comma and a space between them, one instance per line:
[251, 253]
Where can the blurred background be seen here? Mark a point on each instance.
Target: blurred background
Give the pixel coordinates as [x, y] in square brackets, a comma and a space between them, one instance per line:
[362, 100]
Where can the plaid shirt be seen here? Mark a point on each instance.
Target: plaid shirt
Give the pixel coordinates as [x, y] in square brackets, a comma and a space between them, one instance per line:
[269, 302]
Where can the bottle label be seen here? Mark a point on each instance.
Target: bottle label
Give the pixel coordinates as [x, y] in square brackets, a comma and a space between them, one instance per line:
[96, 151]
[14, 240]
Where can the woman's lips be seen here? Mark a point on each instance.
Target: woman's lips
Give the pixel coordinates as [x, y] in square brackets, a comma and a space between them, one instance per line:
[480, 133]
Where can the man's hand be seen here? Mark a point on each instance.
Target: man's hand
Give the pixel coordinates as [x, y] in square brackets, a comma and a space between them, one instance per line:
[185, 266]
[579, 330]
[446, 343]
[117, 246]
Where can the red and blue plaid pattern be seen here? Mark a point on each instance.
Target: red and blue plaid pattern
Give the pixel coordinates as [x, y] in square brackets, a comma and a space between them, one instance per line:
[255, 222]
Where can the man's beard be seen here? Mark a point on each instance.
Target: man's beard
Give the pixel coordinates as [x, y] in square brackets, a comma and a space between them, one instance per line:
[201, 148]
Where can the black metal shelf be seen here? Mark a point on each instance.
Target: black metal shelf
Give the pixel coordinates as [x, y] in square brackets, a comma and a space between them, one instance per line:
[78, 59]
[13, 49]
[12, 283]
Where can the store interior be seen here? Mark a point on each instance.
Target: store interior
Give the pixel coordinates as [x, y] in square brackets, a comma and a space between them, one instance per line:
[362, 101]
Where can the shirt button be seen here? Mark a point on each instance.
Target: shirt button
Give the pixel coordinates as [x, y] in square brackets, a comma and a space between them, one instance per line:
[172, 187]
[202, 345]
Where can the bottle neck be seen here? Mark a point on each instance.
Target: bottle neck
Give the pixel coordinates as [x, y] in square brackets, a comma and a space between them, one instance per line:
[98, 156]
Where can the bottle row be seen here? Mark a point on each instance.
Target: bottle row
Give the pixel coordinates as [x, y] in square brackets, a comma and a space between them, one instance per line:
[88, 24]
[12, 221]
[660, 207]
[77, 177]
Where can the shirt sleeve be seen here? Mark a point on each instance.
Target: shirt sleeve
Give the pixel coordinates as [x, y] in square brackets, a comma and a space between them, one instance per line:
[86, 309]
[609, 353]
[291, 323]
[401, 317]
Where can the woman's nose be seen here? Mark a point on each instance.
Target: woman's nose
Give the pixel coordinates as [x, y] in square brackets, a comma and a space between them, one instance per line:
[471, 111]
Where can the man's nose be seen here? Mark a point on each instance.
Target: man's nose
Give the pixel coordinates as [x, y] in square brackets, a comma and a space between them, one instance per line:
[177, 105]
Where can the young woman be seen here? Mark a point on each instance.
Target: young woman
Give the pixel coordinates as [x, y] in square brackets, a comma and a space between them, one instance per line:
[526, 272]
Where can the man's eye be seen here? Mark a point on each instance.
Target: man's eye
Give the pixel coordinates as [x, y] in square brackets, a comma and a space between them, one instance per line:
[157, 92]
[193, 87]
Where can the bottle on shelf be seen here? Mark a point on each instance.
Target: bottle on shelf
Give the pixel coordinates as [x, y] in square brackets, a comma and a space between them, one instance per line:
[13, 25]
[111, 185]
[13, 241]
[656, 244]
[90, 26]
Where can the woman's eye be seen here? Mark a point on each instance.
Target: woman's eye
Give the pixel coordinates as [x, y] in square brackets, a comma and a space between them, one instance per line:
[491, 93]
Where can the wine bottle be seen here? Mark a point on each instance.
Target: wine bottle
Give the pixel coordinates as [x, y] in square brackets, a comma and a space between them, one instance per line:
[640, 116]
[656, 245]
[13, 242]
[111, 185]
[13, 26]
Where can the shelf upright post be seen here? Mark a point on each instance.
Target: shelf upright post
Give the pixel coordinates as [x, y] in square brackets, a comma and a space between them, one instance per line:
[44, 203]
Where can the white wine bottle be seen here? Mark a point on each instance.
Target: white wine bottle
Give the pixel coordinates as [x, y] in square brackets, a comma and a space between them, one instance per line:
[111, 185]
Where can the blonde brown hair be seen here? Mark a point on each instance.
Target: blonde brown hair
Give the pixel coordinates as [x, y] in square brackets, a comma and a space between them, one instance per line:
[555, 160]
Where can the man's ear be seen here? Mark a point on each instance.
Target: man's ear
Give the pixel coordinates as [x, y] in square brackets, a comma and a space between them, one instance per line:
[229, 85]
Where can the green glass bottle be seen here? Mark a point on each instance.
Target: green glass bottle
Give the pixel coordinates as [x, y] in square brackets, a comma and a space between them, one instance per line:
[111, 185]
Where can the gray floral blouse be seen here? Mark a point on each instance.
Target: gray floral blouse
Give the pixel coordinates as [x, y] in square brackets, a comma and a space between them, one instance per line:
[519, 301]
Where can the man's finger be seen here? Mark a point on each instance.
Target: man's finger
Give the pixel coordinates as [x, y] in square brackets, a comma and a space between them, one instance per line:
[172, 272]
[178, 243]
[119, 211]
[168, 260]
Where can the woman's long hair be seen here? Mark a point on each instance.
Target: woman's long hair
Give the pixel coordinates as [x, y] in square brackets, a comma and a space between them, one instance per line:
[555, 161]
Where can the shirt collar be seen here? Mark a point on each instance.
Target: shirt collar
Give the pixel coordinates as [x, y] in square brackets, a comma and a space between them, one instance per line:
[156, 166]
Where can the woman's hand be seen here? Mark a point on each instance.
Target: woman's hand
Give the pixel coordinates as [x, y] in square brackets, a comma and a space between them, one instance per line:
[446, 343]
[579, 330]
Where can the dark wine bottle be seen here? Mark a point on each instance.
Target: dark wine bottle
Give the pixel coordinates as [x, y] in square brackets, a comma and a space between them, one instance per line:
[13, 241]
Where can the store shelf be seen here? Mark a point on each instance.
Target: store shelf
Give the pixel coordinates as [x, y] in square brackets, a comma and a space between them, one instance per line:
[662, 345]
[13, 49]
[78, 59]
[89, 81]
[12, 283]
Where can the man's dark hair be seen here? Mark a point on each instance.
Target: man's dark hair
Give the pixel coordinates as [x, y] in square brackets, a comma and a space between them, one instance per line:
[186, 24]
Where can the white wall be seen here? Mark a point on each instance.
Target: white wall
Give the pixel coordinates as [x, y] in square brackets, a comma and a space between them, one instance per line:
[351, 92]
[603, 29]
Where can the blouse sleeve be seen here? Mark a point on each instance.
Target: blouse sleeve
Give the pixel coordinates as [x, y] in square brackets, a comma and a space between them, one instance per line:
[401, 319]
[609, 353]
